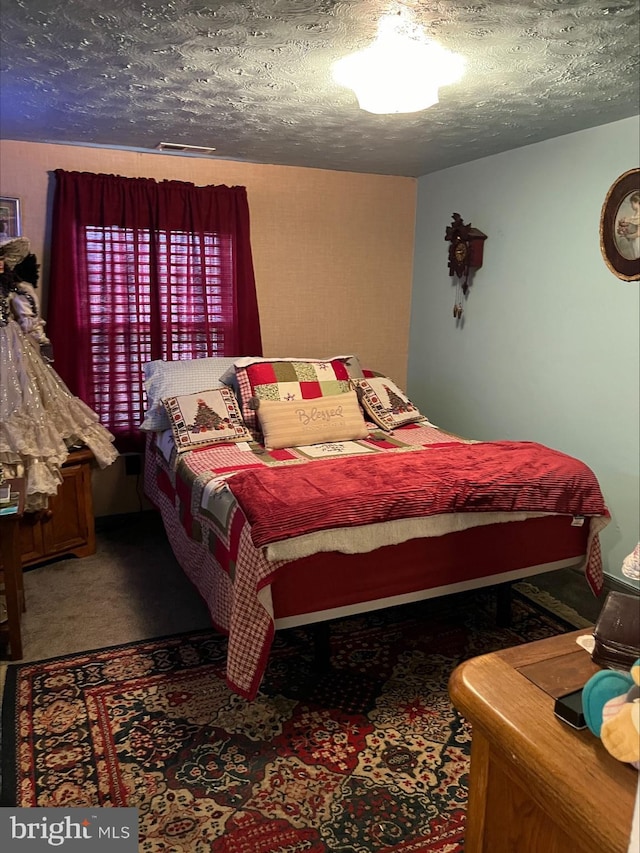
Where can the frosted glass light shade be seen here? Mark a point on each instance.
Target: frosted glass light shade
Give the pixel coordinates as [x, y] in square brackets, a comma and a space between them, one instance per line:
[398, 72]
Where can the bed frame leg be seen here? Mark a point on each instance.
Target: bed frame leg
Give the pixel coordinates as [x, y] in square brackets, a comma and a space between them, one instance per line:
[320, 632]
[503, 605]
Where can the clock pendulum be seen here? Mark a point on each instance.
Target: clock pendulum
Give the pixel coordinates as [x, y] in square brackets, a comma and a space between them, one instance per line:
[457, 308]
[460, 253]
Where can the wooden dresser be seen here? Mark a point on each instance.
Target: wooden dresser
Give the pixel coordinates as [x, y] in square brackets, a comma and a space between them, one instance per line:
[537, 785]
[67, 527]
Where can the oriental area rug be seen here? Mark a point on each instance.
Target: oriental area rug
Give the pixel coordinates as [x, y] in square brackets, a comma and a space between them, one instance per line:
[365, 756]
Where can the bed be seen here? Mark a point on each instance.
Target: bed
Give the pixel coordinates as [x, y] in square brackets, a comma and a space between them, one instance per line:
[276, 531]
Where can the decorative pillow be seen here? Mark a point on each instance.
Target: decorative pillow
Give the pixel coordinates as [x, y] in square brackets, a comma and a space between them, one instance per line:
[352, 362]
[164, 379]
[288, 423]
[207, 417]
[385, 403]
[292, 380]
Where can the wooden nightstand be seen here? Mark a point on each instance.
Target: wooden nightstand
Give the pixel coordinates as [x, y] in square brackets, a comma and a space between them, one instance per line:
[67, 527]
[11, 573]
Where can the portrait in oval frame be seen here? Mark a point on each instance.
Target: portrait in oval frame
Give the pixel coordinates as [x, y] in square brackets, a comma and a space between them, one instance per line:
[620, 227]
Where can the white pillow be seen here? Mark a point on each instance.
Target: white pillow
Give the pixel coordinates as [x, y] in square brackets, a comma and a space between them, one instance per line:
[164, 379]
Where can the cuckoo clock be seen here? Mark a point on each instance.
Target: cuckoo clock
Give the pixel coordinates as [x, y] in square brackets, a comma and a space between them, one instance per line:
[465, 255]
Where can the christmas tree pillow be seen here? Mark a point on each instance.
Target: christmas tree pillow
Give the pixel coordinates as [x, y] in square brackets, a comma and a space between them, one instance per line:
[207, 417]
[385, 403]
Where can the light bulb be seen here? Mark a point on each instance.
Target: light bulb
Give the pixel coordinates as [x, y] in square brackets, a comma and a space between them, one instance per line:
[398, 72]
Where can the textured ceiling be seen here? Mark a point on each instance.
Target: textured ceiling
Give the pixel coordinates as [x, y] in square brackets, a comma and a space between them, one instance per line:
[253, 79]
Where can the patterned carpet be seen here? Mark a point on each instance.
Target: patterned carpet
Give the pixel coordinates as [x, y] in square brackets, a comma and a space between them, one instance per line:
[363, 757]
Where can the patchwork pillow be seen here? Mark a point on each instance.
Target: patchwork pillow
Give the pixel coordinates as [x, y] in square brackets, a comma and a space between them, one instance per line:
[385, 403]
[292, 380]
[206, 417]
[287, 423]
[164, 379]
[354, 369]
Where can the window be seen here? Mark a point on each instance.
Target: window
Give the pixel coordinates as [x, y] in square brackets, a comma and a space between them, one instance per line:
[148, 271]
[190, 303]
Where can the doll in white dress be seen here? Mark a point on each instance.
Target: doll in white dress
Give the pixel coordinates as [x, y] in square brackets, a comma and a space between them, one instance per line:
[40, 419]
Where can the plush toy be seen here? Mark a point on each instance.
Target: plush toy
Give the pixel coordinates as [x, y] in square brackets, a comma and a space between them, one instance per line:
[611, 705]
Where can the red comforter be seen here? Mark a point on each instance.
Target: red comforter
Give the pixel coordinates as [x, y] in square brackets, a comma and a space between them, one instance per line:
[496, 476]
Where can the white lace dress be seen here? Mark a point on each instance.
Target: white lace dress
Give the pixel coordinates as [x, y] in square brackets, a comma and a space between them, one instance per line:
[40, 419]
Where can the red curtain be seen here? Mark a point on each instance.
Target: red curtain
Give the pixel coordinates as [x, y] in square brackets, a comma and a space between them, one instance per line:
[144, 270]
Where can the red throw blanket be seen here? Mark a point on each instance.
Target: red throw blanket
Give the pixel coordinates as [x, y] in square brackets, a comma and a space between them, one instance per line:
[497, 476]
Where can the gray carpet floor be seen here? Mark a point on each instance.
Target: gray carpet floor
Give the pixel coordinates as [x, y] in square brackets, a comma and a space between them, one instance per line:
[132, 588]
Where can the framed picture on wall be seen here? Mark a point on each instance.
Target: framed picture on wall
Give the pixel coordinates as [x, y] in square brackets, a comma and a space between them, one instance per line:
[10, 219]
[620, 227]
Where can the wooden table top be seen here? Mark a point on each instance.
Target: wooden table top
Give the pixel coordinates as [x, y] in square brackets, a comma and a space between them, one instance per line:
[509, 697]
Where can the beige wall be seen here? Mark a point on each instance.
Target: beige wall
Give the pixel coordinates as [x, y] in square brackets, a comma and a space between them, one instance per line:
[332, 251]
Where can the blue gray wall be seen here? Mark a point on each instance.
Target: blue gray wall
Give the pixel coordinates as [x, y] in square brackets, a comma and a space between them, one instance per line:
[548, 348]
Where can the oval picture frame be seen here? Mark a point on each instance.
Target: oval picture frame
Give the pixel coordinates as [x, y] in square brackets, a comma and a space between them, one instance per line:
[620, 226]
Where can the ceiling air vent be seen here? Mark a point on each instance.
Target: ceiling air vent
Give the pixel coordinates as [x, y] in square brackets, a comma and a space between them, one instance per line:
[180, 148]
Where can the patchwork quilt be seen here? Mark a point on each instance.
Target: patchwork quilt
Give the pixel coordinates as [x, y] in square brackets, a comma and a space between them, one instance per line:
[236, 513]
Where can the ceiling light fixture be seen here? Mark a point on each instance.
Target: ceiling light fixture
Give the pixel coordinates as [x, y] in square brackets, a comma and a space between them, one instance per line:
[401, 71]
